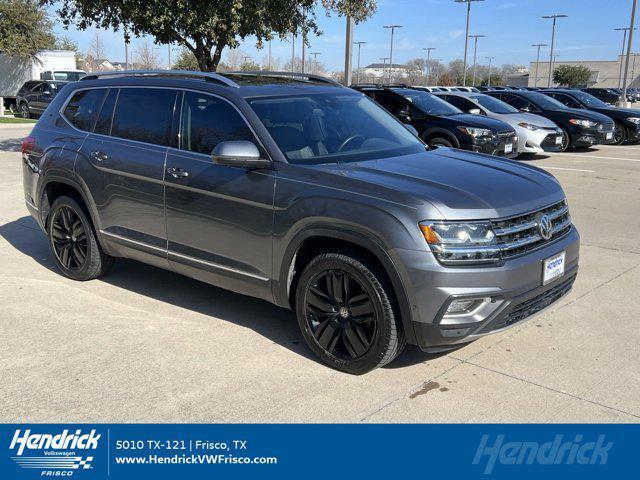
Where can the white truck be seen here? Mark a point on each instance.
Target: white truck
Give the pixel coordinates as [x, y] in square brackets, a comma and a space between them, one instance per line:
[45, 65]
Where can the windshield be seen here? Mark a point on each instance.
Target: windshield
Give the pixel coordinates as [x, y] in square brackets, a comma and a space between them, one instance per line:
[589, 100]
[427, 103]
[493, 104]
[543, 102]
[68, 76]
[332, 128]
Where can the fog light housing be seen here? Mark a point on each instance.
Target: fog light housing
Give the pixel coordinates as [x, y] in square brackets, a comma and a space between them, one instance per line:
[458, 307]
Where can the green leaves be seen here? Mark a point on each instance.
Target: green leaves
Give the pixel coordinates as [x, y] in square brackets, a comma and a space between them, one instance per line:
[24, 28]
[206, 27]
[571, 76]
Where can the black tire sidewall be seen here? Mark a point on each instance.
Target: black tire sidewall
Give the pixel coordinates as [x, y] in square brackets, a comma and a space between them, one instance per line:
[624, 134]
[565, 135]
[25, 111]
[439, 142]
[93, 261]
[383, 340]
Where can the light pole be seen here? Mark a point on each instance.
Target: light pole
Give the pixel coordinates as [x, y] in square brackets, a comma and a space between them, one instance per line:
[489, 80]
[624, 41]
[304, 37]
[553, 39]
[466, 38]
[359, 46]
[629, 45]
[475, 51]
[347, 51]
[293, 52]
[315, 61]
[393, 28]
[539, 45]
[384, 66]
[428, 50]
[169, 57]
[127, 39]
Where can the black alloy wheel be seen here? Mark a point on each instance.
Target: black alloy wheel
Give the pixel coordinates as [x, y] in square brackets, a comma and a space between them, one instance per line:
[24, 110]
[345, 310]
[341, 314]
[619, 134]
[73, 241]
[69, 238]
[565, 141]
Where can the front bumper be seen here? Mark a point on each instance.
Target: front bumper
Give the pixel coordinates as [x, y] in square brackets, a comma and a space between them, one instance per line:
[633, 130]
[515, 290]
[495, 145]
[586, 137]
[538, 141]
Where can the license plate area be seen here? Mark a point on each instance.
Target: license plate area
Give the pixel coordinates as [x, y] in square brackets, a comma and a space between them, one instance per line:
[553, 268]
[508, 148]
[609, 135]
[559, 140]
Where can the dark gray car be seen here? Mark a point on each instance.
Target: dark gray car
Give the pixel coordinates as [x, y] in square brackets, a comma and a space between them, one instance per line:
[304, 193]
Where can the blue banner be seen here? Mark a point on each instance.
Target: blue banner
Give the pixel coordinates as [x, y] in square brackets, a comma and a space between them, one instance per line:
[159, 451]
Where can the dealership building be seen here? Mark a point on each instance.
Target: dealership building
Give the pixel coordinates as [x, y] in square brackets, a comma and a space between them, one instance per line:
[604, 73]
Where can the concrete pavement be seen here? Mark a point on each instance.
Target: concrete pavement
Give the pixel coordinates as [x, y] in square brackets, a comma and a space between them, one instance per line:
[143, 344]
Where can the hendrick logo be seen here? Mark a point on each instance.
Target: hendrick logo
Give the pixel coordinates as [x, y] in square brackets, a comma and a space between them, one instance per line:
[53, 454]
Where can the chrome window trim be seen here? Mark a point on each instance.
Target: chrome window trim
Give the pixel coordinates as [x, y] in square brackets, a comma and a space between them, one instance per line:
[178, 90]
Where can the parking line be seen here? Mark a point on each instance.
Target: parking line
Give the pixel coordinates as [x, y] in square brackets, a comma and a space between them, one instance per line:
[569, 169]
[602, 158]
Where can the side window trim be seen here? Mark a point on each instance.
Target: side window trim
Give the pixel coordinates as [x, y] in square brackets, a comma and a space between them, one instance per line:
[220, 97]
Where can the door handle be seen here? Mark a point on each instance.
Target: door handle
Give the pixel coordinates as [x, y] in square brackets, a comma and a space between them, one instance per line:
[99, 156]
[177, 172]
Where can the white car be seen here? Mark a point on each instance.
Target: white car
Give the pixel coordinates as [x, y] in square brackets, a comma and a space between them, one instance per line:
[536, 134]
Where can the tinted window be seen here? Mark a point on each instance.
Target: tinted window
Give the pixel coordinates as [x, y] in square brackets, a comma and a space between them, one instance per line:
[516, 102]
[565, 100]
[103, 124]
[144, 114]
[390, 102]
[493, 104]
[461, 103]
[427, 102]
[589, 100]
[333, 127]
[82, 109]
[207, 121]
[544, 102]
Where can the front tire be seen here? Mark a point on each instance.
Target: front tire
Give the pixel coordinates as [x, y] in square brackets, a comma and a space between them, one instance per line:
[439, 142]
[346, 315]
[73, 241]
[566, 141]
[619, 134]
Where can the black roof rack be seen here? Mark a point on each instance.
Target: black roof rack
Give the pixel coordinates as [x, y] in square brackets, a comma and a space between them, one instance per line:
[295, 75]
[207, 76]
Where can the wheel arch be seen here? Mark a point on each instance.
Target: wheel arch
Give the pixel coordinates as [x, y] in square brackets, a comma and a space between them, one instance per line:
[440, 132]
[310, 243]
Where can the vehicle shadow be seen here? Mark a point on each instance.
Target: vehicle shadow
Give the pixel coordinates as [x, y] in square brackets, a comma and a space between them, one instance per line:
[11, 145]
[277, 324]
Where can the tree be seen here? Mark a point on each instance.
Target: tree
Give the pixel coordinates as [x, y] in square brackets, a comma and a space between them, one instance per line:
[95, 54]
[25, 28]
[207, 27]
[571, 76]
[186, 61]
[145, 57]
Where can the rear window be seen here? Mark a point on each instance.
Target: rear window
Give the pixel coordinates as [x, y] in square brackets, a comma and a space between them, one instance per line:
[144, 115]
[83, 107]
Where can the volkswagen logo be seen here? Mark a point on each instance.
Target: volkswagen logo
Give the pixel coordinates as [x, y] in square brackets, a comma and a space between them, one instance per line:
[544, 226]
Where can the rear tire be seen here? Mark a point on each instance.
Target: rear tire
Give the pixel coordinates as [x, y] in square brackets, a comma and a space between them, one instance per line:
[73, 241]
[25, 112]
[439, 142]
[346, 315]
[566, 140]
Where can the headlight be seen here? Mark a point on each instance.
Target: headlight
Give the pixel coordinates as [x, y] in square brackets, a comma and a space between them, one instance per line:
[583, 123]
[529, 126]
[635, 120]
[460, 242]
[476, 132]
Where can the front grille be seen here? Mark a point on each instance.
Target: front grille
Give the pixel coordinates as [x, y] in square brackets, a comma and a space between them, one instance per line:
[550, 141]
[505, 134]
[521, 234]
[605, 127]
[539, 302]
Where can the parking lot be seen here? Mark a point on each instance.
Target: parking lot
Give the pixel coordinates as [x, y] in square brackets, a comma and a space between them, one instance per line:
[144, 344]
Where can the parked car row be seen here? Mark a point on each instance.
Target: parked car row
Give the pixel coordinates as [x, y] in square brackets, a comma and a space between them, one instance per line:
[507, 122]
[299, 191]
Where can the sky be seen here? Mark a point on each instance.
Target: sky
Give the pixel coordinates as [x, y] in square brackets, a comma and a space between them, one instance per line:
[510, 26]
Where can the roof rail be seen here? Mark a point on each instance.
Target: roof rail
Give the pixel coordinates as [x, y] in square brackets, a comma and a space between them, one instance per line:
[308, 76]
[207, 76]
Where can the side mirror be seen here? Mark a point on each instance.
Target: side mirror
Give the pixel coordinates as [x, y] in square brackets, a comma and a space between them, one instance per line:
[475, 111]
[404, 115]
[525, 109]
[412, 129]
[242, 154]
[47, 93]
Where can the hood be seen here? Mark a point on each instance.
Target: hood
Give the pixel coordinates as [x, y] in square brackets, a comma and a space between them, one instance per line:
[581, 114]
[615, 112]
[480, 121]
[460, 185]
[515, 118]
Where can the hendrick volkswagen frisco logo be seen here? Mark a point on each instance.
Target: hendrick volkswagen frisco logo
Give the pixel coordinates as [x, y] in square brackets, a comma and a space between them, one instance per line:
[544, 226]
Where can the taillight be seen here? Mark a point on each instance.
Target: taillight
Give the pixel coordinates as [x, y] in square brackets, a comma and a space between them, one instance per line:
[27, 144]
